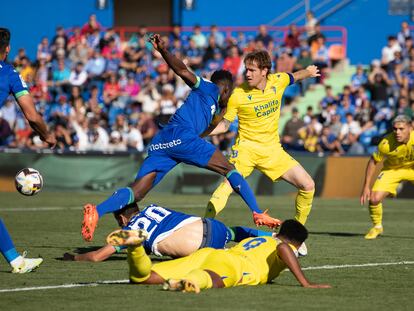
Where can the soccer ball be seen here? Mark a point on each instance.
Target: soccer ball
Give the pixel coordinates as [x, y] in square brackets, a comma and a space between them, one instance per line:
[28, 181]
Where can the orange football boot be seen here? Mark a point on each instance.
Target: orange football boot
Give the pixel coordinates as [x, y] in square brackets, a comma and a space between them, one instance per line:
[263, 219]
[90, 221]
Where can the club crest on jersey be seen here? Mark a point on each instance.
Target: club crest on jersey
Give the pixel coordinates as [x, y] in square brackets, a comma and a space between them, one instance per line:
[249, 97]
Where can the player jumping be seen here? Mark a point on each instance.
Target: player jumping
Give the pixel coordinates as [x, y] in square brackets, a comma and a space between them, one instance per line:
[179, 141]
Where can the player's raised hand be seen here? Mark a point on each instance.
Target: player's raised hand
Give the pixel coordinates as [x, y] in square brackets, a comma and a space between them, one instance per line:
[365, 195]
[313, 70]
[51, 141]
[156, 41]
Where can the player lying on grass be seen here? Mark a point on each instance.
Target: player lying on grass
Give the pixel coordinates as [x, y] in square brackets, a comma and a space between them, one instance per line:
[180, 141]
[397, 152]
[253, 261]
[170, 233]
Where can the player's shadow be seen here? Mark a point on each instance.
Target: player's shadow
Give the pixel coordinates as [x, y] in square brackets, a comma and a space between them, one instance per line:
[83, 250]
[339, 234]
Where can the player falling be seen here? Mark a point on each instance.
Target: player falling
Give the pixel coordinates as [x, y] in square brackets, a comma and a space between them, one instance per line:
[397, 152]
[179, 141]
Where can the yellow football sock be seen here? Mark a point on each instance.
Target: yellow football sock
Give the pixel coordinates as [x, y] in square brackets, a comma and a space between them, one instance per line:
[201, 278]
[218, 200]
[139, 264]
[375, 212]
[303, 205]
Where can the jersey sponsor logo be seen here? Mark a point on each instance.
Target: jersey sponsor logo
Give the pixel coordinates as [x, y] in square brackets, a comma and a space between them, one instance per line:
[266, 109]
[170, 144]
[253, 243]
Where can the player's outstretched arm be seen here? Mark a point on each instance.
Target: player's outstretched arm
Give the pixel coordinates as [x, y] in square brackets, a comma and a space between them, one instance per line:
[310, 72]
[220, 128]
[36, 120]
[175, 64]
[96, 256]
[286, 254]
[369, 173]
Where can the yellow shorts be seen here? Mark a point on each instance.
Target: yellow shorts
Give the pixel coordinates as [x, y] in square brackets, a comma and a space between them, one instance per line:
[388, 180]
[230, 267]
[271, 160]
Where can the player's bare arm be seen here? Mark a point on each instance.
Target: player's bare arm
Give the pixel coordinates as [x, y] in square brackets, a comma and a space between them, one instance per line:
[222, 127]
[286, 254]
[369, 173]
[35, 119]
[95, 256]
[175, 64]
[310, 72]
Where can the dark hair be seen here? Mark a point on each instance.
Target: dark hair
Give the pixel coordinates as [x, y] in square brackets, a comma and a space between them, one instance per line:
[128, 210]
[261, 58]
[4, 39]
[294, 231]
[222, 76]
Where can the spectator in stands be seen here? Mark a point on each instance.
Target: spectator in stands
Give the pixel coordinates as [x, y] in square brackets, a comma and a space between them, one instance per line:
[335, 125]
[313, 39]
[377, 85]
[79, 53]
[134, 138]
[310, 24]
[95, 66]
[217, 35]
[26, 68]
[263, 36]
[233, 61]
[78, 75]
[167, 104]
[91, 26]
[212, 48]
[60, 111]
[349, 127]
[111, 89]
[304, 60]
[18, 58]
[408, 77]
[285, 62]
[365, 112]
[307, 118]
[329, 143]
[147, 127]
[76, 38]
[98, 137]
[309, 137]
[43, 50]
[60, 77]
[388, 51]
[359, 78]
[198, 37]
[148, 96]
[194, 55]
[320, 57]
[60, 39]
[291, 39]
[369, 137]
[63, 137]
[404, 33]
[329, 98]
[116, 142]
[290, 135]
[355, 147]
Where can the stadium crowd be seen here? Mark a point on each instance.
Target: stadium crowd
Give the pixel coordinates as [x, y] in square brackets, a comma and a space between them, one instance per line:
[98, 93]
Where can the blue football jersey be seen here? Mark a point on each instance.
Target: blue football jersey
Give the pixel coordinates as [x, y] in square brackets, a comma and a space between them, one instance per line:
[199, 108]
[159, 222]
[10, 83]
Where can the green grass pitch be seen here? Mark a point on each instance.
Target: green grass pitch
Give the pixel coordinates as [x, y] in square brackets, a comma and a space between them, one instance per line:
[49, 224]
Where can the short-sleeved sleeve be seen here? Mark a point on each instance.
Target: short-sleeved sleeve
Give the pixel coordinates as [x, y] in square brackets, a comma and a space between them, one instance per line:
[17, 85]
[283, 78]
[232, 108]
[379, 154]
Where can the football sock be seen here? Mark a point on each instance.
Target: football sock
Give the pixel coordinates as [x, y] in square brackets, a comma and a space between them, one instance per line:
[116, 201]
[139, 264]
[240, 233]
[303, 205]
[200, 277]
[218, 200]
[6, 245]
[375, 212]
[240, 185]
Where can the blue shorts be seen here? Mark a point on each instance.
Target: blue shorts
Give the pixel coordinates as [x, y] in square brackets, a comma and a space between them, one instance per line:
[174, 145]
[215, 234]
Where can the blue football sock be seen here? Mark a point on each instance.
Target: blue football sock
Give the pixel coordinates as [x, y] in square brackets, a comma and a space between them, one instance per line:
[6, 244]
[116, 201]
[241, 233]
[240, 185]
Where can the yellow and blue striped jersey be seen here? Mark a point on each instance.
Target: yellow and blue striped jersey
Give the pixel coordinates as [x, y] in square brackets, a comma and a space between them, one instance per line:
[259, 111]
[395, 154]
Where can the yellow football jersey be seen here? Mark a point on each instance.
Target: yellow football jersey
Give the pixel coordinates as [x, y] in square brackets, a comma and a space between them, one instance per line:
[259, 111]
[394, 154]
[264, 262]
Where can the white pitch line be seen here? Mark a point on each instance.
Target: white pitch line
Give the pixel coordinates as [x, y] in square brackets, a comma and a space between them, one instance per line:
[97, 283]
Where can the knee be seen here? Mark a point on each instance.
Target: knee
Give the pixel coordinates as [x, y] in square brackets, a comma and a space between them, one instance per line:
[375, 199]
[308, 185]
